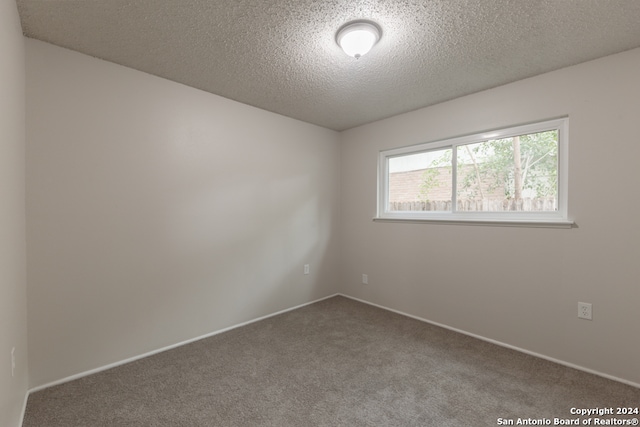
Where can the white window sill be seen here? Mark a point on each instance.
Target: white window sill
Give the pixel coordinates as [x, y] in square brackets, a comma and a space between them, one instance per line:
[499, 222]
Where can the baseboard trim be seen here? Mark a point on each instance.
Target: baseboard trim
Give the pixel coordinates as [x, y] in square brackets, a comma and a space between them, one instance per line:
[499, 343]
[170, 347]
[24, 408]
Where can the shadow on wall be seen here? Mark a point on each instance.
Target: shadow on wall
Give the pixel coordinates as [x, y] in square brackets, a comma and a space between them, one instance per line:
[211, 259]
[251, 255]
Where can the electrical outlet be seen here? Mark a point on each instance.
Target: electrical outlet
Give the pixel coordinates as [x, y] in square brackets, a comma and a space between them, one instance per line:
[13, 362]
[365, 279]
[306, 269]
[584, 311]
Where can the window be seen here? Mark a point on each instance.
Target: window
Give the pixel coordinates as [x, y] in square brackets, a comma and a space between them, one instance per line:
[512, 176]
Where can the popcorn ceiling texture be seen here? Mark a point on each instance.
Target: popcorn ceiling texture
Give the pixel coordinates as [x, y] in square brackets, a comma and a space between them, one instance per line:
[281, 55]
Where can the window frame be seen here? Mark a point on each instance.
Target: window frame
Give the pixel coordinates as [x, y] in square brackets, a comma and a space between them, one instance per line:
[555, 219]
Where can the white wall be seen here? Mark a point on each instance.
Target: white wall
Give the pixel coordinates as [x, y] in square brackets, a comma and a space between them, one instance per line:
[157, 213]
[13, 305]
[519, 286]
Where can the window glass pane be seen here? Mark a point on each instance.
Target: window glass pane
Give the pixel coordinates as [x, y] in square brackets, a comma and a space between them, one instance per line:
[509, 174]
[420, 181]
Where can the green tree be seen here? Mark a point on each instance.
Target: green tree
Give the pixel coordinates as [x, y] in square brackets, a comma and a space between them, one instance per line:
[430, 176]
[525, 162]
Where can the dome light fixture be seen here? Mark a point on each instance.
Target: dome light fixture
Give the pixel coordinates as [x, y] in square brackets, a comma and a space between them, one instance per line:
[357, 38]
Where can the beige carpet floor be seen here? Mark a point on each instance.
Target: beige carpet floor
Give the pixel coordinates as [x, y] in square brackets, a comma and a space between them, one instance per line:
[337, 362]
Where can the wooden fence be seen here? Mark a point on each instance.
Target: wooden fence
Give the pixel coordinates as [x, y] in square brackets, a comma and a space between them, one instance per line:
[480, 205]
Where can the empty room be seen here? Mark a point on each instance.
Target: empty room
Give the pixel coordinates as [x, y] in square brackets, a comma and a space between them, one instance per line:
[319, 213]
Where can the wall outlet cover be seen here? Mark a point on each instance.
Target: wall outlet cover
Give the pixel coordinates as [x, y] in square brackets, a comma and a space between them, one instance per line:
[585, 311]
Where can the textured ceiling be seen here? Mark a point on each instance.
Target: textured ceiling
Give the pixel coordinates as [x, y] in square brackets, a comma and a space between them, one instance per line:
[281, 55]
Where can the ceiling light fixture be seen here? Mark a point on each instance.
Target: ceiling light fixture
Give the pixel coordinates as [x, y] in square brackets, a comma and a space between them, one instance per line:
[357, 38]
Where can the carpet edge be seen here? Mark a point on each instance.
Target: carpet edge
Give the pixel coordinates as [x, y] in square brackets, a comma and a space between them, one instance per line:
[163, 349]
[499, 343]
